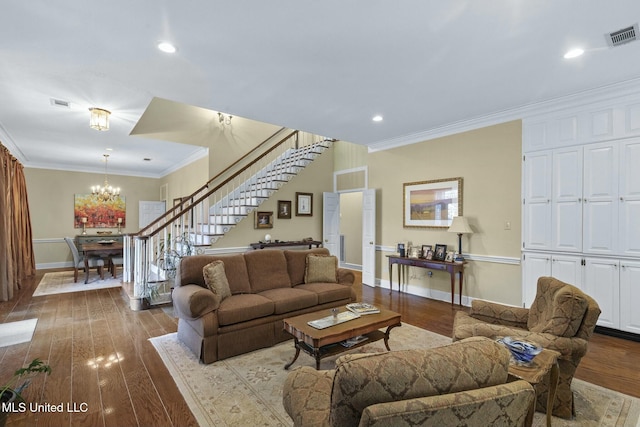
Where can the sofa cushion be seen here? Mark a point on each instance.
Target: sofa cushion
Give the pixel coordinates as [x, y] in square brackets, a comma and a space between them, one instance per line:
[297, 262]
[216, 279]
[327, 292]
[565, 313]
[267, 270]
[321, 268]
[244, 307]
[287, 300]
[190, 271]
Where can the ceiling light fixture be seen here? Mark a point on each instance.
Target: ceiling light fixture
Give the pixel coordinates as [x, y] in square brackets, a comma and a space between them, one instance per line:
[167, 47]
[377, 118]
[105, 193]
[573, 53]
[99, 119]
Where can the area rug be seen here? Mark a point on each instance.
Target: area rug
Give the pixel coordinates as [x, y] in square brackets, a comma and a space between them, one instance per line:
[12, 333]
[60, 282]
[247, 389]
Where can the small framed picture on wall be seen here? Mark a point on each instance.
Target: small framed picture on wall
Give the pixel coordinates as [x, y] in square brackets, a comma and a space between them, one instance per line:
[304, 204]
[284, 209]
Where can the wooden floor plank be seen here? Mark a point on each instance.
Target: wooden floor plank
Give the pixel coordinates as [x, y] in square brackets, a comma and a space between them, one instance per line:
[79, 332]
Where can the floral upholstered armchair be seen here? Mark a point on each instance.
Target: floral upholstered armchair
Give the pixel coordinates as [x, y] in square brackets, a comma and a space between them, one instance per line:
[460, 384]
[561, 318]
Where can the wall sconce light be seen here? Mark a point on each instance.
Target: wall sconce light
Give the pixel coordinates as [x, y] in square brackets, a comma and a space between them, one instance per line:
[224, 118]
[99, 119]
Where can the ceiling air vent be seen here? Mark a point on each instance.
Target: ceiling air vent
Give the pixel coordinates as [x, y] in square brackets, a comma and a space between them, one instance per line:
[60, 103]
[622, 36]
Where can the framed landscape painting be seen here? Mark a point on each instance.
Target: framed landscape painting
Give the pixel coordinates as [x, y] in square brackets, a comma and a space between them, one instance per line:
[432, 204]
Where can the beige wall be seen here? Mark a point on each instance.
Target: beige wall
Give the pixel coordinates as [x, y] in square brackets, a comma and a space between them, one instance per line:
[489, 161]
[186, 180]
[51, 197]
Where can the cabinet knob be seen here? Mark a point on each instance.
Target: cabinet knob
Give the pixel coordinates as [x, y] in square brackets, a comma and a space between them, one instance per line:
[371, 243]
[622, 199]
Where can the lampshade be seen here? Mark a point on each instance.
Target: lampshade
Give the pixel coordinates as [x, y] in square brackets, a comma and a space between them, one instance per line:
[460, 225]
[99, 119]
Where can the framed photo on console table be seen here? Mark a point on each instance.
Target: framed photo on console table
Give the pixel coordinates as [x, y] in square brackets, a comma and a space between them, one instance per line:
[432, 204]
[440, 253]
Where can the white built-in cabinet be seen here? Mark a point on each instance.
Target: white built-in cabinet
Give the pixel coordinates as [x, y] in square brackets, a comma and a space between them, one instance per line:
[581, 206]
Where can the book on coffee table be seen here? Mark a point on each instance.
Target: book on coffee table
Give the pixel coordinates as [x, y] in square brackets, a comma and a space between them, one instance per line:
[362, 308]
[325, 322]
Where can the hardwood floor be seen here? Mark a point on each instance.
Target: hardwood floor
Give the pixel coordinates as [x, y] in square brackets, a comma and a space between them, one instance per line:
[105, 368]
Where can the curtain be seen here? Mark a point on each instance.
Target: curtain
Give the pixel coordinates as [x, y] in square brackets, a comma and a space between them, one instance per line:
[17, 260]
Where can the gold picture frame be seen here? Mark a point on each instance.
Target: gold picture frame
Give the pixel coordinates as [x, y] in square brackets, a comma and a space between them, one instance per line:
[431, 204]
[263, 219]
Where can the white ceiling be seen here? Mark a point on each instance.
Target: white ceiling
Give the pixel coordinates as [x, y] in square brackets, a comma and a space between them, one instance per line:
[321, 66]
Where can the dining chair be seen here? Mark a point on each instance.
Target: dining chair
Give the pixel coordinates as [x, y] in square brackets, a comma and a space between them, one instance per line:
[78, 261]
[114, 262]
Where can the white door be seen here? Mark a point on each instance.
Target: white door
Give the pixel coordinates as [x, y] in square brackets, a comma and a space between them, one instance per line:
[602, 283]
[149, 211]
[567, 268]
[534, 266]
[601, 199]
[566, 203]
[331, 222]
[629, 296]
[369, 237]
[629, 193]
[536, 227]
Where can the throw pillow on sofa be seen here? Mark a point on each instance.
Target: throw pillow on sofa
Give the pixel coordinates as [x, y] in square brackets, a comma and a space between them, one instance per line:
[216, 279]
[321, 268]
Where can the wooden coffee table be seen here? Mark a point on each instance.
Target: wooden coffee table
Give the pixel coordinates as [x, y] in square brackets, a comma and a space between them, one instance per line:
[321, 343]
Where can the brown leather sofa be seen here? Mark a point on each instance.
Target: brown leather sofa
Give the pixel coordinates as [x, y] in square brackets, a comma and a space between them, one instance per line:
[460, 384]
[266, 287]
[561, 318]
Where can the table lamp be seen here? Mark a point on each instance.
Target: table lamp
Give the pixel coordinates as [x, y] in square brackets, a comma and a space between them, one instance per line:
[460, 225]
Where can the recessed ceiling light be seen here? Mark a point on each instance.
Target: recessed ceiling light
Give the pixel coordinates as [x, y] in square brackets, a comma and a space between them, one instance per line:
[167, 47]
[377, 118]
[573, 53]
[109, 149]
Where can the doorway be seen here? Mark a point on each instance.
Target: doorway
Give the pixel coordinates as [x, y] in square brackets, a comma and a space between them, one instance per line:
[351, 230]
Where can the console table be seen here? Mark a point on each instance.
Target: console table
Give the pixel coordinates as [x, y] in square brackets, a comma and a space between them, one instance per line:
[308, 243]
[450, 267]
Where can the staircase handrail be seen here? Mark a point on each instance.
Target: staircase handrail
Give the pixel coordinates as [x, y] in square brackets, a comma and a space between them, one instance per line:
[195, 203]
[206, 185]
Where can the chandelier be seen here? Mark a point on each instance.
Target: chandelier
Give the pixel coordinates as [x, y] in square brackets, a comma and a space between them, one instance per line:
[105, 192]
[99, 119]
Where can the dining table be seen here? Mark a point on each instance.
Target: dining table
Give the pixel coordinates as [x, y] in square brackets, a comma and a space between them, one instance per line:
[99, 249]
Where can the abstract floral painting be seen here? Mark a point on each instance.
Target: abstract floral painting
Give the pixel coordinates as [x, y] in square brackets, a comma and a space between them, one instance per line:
[99, 214]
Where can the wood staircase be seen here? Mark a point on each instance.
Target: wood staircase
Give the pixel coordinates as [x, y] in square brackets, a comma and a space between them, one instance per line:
[204, 217]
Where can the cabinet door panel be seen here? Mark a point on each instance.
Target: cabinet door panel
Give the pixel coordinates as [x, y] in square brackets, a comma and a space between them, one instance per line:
[536, 227]
[629, 297]
[602, 283]
[630, 198]
[568, 269]
[600, 191]
[533, 266]
[566, 217]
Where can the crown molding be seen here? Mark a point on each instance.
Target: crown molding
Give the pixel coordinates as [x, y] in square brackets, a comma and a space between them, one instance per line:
[603, 94]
